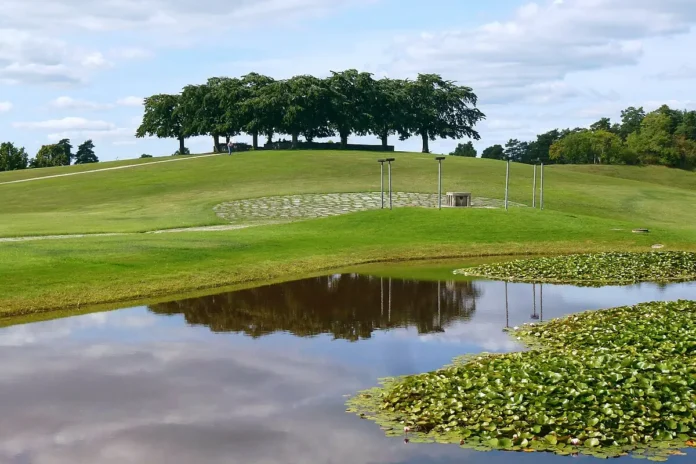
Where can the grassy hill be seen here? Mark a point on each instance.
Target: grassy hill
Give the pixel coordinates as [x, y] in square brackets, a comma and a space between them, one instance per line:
[587, 209]
[183, 194]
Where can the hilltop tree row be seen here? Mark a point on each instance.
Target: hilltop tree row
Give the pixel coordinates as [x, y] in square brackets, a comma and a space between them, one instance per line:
[345, 103]
[13, 158]
[664, 137]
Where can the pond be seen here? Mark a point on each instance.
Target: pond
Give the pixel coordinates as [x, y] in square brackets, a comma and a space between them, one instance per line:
[261, 375]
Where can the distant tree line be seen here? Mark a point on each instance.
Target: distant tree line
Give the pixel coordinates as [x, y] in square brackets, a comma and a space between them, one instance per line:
[345, 103]
[13, 158]
[664, 137]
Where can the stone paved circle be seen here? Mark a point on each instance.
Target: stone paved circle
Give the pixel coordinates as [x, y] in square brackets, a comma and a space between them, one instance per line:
[308, 206]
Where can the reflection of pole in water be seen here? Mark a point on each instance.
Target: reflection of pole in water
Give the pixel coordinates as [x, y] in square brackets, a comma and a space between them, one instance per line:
[390, 299]
[541, 300]
[381, 295]
[439, 320]
[507, 313]
[534, 314]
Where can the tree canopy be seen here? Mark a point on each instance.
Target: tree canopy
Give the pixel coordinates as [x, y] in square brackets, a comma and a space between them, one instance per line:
[664, 137]
[12, 158]
[346, 102]
[85, 153]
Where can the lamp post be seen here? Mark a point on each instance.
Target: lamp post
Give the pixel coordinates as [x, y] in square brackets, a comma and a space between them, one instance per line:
[507, 181]
[439, 181]
[381, 179]
[534, 189]
[389, 160]
[541, 196]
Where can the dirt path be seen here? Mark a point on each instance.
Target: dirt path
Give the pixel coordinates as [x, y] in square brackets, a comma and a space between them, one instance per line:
[107, 169]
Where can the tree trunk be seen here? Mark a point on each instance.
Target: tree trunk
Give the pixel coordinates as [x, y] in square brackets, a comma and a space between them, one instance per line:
[294, 140]
[424, 136]
[227, 139]
[255, 140]
[182, 147]
[216, 143]
[385, 140]
[344, 139]
[270, 138]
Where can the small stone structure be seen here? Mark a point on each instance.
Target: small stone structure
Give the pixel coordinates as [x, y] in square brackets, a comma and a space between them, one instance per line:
[458, 199]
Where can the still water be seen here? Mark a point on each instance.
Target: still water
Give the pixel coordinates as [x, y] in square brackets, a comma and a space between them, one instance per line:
[259, 375]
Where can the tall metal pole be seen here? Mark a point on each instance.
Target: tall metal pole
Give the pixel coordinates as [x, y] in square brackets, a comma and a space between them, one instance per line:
[390, 187]
[389, 160]
[507, 180]
[381, 179]
[439, 181]
[439, 184]
[541, 301]
[381, 182]
[534, 189]
[541, 196]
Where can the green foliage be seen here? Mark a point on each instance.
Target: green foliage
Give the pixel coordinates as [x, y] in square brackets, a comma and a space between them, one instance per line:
[85, 153]
[515, 150]
[588, 147]
[66, 147]
[439, 108]
[465, 149]
[12, 158]
[496, 152]
[50, 155]
[165, 117]
[604, 383]
[594, 269]
[347, 102]
[145, 155]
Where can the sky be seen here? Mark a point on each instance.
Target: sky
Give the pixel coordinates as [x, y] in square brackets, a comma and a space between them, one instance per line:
[79, 69]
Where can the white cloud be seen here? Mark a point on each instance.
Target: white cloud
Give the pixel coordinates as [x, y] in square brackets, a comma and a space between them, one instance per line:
[5, 106]
[528, 57]
[67, 124]
[130, 101]
[95, 60]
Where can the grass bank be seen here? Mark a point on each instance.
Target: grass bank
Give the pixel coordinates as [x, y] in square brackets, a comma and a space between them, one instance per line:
[183, 194]
[62, 274]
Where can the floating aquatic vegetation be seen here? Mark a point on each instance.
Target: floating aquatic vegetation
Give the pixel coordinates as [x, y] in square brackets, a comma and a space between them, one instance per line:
[606, 383]
[594, 269]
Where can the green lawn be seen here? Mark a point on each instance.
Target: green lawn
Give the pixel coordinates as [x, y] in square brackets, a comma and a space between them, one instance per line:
[10, 176]
[583, 209]
[182, 194]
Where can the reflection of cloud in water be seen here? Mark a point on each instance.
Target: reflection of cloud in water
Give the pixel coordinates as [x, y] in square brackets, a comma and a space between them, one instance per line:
[181, 404]
[135, 387]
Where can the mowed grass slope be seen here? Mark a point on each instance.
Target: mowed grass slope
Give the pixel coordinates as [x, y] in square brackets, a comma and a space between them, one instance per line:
[585, 211]
[55, 274]
[182, 194]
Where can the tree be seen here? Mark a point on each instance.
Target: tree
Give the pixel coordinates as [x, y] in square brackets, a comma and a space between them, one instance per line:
[252, 121]
[603, 124]
[585, 147]
[631, 119]
[516, 150]
[65, 145]
[388, 100]
[268, 108]
[653, 142]
[12, 158]
[203, 112]
[350, 102]
[304, 100]
[49, 156]
[85, 153]
[164, 118]
[687, 127]
[439, 108]
[538, 151]
[496, 152]
[465, 149]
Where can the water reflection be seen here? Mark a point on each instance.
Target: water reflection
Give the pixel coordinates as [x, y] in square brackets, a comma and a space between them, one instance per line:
[157, 385]
[349, 306]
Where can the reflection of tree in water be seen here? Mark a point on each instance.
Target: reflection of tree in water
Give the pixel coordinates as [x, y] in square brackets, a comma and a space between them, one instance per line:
[349, 306]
